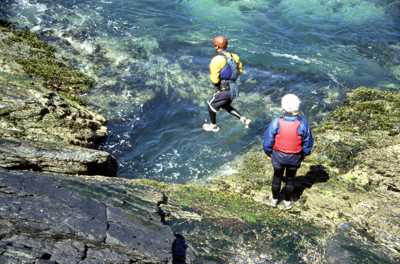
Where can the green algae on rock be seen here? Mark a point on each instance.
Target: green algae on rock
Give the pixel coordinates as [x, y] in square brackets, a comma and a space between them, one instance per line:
[40, 103]
[365, 110]
[338, 201]
[224, 226]
[38, 59]
[369, 118]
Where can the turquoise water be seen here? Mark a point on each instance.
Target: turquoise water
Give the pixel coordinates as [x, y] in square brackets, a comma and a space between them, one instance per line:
[150, 60]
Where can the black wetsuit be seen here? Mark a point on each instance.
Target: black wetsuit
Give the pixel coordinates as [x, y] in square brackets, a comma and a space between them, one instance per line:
[284, 165]
[277, 181]
[221, 99]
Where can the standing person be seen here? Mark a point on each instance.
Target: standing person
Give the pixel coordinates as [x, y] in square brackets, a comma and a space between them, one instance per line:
[225, 68]
[287, 140]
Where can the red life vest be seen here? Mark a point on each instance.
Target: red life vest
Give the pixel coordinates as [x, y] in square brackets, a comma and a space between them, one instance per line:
[288, 139]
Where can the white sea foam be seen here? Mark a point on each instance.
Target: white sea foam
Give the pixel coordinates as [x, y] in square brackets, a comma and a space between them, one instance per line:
[36, 28]
[24, 3]
[41, 7]
[295, 57]
[333, 78]
[37, 7]
[82, 46]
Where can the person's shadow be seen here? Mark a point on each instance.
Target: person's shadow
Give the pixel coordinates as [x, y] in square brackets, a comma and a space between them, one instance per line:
[317, 173]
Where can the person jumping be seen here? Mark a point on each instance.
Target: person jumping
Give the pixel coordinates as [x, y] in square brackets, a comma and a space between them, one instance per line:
[225, 68]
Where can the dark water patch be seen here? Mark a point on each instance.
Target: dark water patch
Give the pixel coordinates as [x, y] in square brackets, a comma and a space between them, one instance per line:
[168, 144]
[6, 9]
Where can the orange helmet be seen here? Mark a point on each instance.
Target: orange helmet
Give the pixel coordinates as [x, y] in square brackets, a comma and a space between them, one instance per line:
[220, 42]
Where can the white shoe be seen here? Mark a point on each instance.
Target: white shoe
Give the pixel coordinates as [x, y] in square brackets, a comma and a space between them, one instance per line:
[245, 121]
[274, 202]
[288, 204]
[210, 127]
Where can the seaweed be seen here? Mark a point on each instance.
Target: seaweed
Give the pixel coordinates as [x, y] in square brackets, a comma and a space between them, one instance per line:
[38, 59]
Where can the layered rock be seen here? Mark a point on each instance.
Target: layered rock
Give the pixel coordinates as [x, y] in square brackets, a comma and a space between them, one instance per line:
[30, 155]
[46, 127]
[46, 124]
[64, 219]
[30, 114]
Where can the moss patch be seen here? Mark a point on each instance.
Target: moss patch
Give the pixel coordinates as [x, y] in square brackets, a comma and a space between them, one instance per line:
[38, 59]
[225, 220]
[369, 118]
[367, 110]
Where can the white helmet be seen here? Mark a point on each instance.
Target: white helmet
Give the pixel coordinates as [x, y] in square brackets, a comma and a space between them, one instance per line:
[290, 103]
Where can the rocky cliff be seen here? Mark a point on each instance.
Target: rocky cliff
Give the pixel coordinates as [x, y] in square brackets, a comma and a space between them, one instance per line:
[48, 134]
[44, 126]
[347, 191]
[65, 219]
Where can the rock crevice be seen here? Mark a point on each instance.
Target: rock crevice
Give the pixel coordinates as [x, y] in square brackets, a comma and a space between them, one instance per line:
[73, 220]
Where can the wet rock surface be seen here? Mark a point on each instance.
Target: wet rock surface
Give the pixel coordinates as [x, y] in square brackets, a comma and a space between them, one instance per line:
[46, 127]
[64, 219]
[342, 248]
[42, 118]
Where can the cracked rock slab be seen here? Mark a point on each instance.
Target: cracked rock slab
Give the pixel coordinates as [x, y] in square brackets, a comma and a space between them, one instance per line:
[63, 219]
